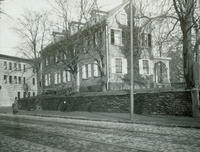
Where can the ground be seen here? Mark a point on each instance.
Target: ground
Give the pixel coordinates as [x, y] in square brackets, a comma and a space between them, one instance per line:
[20, 133]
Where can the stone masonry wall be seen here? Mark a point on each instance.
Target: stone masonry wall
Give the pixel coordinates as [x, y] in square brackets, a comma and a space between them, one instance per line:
[170, 103]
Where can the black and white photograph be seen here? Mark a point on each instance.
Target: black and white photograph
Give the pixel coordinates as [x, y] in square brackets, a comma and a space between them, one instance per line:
[99, 75]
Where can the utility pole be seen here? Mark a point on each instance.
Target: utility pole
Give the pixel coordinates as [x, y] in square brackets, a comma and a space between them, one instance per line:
[132, 71]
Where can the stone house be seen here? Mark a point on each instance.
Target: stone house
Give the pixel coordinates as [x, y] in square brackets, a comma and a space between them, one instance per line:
[95, 50]
[17, 79]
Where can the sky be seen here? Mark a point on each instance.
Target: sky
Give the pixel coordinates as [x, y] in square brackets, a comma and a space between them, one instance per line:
[14, 9]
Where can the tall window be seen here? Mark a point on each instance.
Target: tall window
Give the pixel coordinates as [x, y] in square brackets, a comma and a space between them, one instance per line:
[95, 69]
[145, 66]
[24, 68]
[64, 77]
[59, 77]
[49, 79]
[19, 67]
[145, 40]
[10, 65]
[118, 65]
[5, 65]
[10, 79]
[33, 94]
[68, 76]
[84, 72]
[123, 19]
[15, 66]
[15, 79]
[5, 78]
[89, 70]
[55, 78]
[46, 80]
[19, 80]
[116, 37]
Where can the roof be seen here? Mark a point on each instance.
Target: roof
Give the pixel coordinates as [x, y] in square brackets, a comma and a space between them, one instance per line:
[14, 58]
[115, 9]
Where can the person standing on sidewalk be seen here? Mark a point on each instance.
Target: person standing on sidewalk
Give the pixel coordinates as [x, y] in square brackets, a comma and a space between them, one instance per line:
[15, 106]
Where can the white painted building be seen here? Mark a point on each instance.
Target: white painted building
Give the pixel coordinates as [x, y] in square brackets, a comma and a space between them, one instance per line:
[17, 79]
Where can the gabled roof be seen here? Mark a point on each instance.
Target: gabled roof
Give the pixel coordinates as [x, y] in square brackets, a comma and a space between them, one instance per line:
[114, 10]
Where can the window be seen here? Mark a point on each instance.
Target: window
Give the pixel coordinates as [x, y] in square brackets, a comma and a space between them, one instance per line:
[84, 72]
[33, 94]
[46, 80]
[15, 79]
[112, 36]
[118, 65]
[55, 78]
[24, 80]
[19, 67]
[116, 37]
[18, 95]
[123, 19]
[5, 65]
[15, 66]
[145, 40]
[95, 69]
[123, 37]
[19, 80]
[10, 79]
[5, 78]
[10, 65]
[68, 76]
[145, 66]
[49, 79]
[89, 70]
[64, 77]
[24, 68]
[33, 81]
[59, 77]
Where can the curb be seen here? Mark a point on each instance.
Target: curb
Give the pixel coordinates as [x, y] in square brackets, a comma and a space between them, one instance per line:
[114, 121]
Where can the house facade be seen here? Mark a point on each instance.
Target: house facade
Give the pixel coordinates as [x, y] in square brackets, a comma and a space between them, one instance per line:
[101, 63]
[17, 79]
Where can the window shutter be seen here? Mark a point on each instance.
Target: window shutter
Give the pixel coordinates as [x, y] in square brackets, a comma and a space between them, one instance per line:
[124, 66]
[149, 40]
[113, 70]
[141, 67]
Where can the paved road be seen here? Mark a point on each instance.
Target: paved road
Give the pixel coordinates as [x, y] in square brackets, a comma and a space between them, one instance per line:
[39, 134]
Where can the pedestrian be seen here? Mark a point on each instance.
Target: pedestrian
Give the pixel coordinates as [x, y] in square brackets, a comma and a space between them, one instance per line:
[15, 106]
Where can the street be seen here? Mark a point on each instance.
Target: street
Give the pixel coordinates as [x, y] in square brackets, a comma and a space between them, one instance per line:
[42, 134]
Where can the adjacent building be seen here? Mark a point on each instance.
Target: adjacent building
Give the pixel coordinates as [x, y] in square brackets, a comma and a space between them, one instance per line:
[17, 79]
[94, 57]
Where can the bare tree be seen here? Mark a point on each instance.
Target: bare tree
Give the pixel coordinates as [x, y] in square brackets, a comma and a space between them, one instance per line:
[34, 31]
[189, 21]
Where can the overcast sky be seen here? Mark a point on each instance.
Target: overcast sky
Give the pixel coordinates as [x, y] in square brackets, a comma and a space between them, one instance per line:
[15, 8]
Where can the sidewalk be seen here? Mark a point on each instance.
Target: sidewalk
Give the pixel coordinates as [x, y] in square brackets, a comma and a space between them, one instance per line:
[159, 120]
